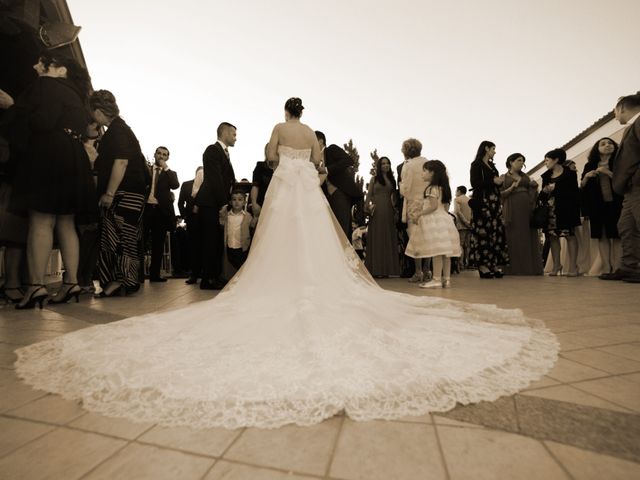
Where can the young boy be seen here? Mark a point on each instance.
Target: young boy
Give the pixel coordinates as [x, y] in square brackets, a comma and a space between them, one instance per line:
[237, 222]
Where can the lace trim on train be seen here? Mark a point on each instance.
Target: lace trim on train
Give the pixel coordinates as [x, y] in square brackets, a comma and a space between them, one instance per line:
[412, 392]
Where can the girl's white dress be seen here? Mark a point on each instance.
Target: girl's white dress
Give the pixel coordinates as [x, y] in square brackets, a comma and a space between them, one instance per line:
[437, 233]
[301, 333]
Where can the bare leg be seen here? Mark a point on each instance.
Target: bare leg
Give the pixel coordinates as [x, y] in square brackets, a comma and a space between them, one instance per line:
[446, 268]
[555, 253]
[572, 248]
[39, 244]
[604, 248]
[616, 253]
[437, 267]
[69, 247]
[418, 262]
[12, 261]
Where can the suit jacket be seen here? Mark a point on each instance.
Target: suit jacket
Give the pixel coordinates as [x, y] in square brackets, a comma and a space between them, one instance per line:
[167, 181]
[338, 163]
[626, 166]
[219, 178]
[186, 201]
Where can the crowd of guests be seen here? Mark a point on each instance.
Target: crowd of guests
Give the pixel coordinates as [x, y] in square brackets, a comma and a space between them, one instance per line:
[73, 171]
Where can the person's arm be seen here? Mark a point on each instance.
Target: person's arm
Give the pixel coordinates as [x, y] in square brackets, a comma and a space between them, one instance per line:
[6, 100]
[476, 178]
[457, 211]
[182, 199]
[587, 175]
[316, 153]
[117, 174]
[173, 179]
[213, 174]
[405, 185]
[506, 191]
[255, 206]
[272, 146]
[627, 161]
[340, 160]
[430, 202]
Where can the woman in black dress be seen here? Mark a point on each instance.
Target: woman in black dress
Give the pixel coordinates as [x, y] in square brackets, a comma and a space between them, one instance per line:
[561, 193]
[122, 184]
[601, 204]
[488, 243]
[382, 258]
[54, 183]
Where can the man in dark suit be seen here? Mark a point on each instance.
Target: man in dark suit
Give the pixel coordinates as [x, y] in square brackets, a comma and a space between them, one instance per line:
[214, 193]
[189, 212]
[626, 181]
[341, 189]
[159, 215]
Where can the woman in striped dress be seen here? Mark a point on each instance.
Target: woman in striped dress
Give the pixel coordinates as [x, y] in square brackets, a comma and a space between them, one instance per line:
[123, 178]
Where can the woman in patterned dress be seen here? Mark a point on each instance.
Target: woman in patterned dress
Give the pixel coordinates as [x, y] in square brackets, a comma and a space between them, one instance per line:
[488, 242]
[122, 183]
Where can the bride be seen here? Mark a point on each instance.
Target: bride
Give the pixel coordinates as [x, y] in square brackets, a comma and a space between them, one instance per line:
[301, 333]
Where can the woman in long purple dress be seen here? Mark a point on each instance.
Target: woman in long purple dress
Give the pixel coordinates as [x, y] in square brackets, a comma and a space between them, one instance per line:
[382, 237]
[518, 196]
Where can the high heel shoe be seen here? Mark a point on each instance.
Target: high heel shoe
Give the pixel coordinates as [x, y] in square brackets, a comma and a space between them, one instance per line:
[556, 272]
[118, 291]
[74, 291]
[37, 296]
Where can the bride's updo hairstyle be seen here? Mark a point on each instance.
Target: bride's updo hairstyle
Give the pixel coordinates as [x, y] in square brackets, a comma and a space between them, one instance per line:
[294, 107]
[106, 102]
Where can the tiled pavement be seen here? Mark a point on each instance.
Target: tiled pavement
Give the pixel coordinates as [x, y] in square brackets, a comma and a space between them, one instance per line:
[581, 421]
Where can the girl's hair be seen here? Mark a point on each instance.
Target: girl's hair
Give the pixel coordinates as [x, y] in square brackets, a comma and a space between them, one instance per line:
[594, 155]
[381, 176]
[482, 149]
[513, 157]
[439, 178]
[76, 73]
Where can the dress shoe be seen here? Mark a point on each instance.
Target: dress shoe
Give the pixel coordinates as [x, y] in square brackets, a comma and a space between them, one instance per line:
[207, 285]
[191, 280]
[157, 279]
[617, 275]
[632, 278]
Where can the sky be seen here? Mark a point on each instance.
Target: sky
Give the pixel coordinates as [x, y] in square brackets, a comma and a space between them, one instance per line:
[527, 75]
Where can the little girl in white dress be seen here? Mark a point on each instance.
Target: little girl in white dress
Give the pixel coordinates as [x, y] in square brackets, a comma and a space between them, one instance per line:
[439, 238]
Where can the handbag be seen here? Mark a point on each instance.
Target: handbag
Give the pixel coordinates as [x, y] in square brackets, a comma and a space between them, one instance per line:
[540, 215]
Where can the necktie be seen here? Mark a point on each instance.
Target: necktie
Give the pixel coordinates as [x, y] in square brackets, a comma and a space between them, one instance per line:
[226, 152]
[156, 174]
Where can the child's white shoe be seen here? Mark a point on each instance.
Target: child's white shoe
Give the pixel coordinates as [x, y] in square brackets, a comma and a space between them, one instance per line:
[432, 284]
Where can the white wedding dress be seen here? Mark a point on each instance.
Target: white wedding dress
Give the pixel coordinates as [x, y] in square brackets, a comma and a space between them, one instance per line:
[301, 333]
